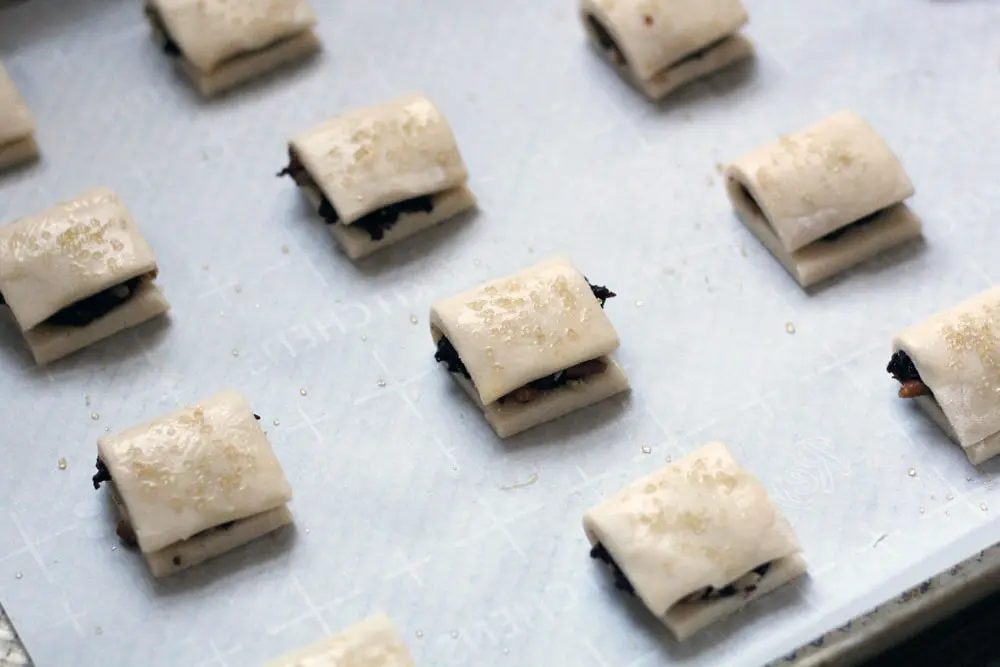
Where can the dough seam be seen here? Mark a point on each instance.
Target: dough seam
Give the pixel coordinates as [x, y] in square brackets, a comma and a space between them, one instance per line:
[357, 243]
[50, 343]
[820, 260]
[242, 67]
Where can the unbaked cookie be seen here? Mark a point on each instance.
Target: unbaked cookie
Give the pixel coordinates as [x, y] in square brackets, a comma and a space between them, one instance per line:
[77, 273]
[381, 174]
[660, 45]
[373, 642]
[194, 484]
[950, 364]
[696, 541]
[17, 127]
[824, 199]
[220, 44]
[531, 347]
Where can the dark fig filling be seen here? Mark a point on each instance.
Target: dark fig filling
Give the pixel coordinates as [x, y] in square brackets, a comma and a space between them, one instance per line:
[905, 373]
[448, 355]
[376, 223]
[748, 583]
[83, 312]
[170, 47]
[605, 39]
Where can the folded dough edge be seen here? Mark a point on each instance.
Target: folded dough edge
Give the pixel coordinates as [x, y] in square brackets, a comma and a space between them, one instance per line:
[357, 243]
[240, 69]
[687, 618]
[49, 343]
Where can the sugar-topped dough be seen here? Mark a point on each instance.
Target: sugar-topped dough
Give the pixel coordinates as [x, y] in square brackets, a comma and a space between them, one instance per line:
[702, 521]
[374, 642]
[196, 482]
[534, 324]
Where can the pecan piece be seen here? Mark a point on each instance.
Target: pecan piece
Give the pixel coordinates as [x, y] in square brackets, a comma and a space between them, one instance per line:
[912, 389]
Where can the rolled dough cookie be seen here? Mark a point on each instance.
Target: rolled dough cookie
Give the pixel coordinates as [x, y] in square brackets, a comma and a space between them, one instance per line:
[660, 45]
[373, 642]
[824, 199]
[531, 347]
[950, 364]
[696, 541]
[77, 273]
[195, 483]
[220, 44]
[17, 127]
[381, 174]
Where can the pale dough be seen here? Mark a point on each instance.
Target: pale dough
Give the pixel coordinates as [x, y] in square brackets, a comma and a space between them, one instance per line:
[18, 152]
[824, 259]
[367, 159]
[957, 353]
[224, 44]
[51, 343]
[820, 179]
[374, 642]
[210, 543]
[668, 43]
[17, 127]
[67, 253]
[510, 418]
[513, 330]
[700, 521]
[240, 69]
[357, 243]
[194, 469]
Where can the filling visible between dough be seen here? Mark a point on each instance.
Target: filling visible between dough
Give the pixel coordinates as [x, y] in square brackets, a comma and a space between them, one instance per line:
[83, 312]
[376, 223]
[740, 191]
[697, 54]
[748, 583]
[173, 49]
[124, 529]
[170, 47]
[604, 38]
[448, 355]
[903, 370]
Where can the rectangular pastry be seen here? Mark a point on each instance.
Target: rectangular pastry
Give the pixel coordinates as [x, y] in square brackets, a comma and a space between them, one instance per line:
[374, 642]
[381, 174]
[195, 483]
[695, 541]
[77, 273]
[17, 127]
[660, 45]
[824, 199]
[221, 44]
[950, 364]
[531, 347]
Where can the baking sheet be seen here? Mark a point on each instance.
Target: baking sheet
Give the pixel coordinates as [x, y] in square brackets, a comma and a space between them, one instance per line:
[405, 502]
